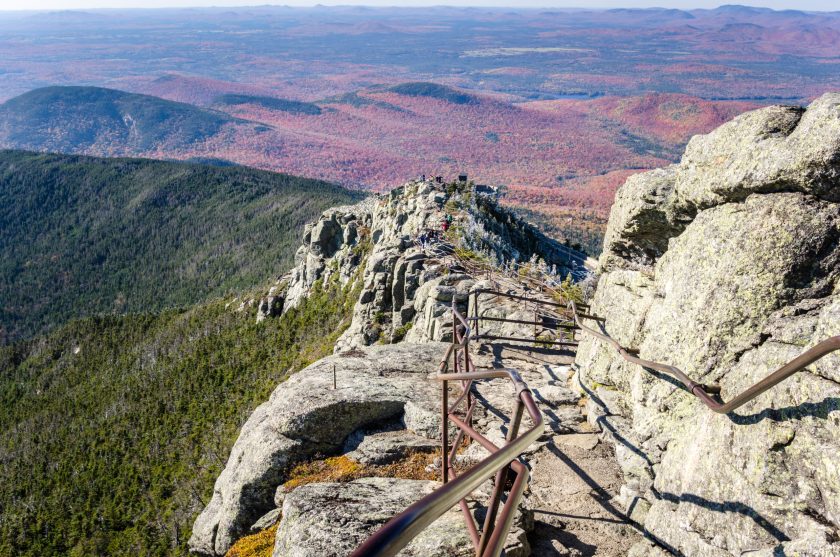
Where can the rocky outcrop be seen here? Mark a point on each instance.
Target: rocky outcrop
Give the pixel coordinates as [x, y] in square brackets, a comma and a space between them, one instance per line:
[405, 294]
[332, 249]
[404, 291]
[332, 519]
[726, 265]
[305, 417]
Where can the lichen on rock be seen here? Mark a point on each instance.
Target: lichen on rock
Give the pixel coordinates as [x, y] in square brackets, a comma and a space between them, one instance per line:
[726, 265]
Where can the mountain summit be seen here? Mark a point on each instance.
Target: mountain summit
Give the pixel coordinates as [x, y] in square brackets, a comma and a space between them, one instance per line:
[103, 121]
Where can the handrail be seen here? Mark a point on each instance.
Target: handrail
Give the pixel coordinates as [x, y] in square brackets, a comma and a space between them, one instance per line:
[547, 321]
[398, 532]
[794, 366]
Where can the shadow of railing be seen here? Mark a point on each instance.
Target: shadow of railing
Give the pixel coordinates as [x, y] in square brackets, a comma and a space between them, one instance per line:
[604, 423]
[699, 390]
[806, 409]
[727, 507]
[603, 498]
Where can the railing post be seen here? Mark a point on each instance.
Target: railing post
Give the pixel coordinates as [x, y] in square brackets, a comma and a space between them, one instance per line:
[454, 331]
[535, 323]
[501, 480]
[475, 312]
[444, 433]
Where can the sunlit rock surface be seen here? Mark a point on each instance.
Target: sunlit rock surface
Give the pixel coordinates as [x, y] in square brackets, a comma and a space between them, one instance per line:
[726, 265]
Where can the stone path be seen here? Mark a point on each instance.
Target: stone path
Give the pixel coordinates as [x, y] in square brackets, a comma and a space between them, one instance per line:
[575, 476]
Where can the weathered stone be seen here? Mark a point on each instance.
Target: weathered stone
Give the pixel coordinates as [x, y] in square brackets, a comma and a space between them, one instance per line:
[565, 419]
[747, 280]
[266, 521]
[642, 225]
[646, 549]
[774, 149]
[555, 395]
[330, 519]
[326, 237]
[270, 306]
[387, 446]
[305, 416]
[586, 441]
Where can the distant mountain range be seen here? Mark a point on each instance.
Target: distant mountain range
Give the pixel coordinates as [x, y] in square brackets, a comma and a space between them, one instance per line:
[562, 159]
[83, 235]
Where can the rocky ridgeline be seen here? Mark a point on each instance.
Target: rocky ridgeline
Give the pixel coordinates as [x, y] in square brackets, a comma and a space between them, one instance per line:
[726, 265]
[405, 293]
[383, 405]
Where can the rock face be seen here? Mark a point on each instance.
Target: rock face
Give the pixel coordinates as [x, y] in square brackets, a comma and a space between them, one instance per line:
[306, 417]
[726, 265]
[404, 292]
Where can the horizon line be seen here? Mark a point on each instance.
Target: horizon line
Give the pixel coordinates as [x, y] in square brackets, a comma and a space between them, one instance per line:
[418, 5]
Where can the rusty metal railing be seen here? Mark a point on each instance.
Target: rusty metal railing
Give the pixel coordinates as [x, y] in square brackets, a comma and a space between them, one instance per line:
[457, 366]
[544, 319]
[701, 391]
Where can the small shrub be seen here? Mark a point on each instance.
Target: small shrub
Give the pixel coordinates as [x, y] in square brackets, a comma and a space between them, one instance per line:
[260, 544]
[400, 332]
[333, 469]
[568, 290]
[544, 340]
[471, 255]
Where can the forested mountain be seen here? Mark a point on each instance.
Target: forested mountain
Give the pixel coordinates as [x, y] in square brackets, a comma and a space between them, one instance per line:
[82, 235]
[112, 429]
[434, 91]
[271, 103]
[104, 121]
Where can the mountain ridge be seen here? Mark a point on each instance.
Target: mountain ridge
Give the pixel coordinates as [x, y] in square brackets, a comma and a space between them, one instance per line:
[86, 235]
[82, 119]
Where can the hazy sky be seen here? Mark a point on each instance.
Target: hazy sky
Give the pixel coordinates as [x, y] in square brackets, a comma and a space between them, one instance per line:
[82, 4]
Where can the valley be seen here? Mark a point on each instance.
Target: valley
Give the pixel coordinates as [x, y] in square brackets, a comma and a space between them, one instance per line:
[558, 106]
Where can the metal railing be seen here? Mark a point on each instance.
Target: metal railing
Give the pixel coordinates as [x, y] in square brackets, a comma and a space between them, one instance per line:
[545, 320]
[701, 391]
[503, 463]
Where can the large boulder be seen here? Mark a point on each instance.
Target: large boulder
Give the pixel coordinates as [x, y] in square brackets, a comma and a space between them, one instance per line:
[332, 519]
[727, 266]
[306, 417]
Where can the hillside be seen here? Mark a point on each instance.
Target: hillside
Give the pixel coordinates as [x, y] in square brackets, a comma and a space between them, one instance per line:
[82, 235]
[272, 103]
[113, 428]
[96, 120]
[433, 91]
[561, 159]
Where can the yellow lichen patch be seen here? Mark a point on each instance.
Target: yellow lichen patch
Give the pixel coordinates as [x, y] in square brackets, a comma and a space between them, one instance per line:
[344, 469]
[413, 467]
[333, 469]
[260, 544]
